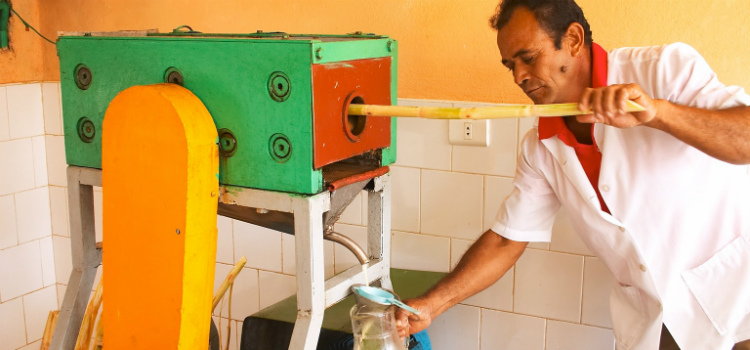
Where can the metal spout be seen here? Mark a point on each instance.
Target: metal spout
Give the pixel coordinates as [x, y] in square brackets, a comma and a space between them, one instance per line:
[348, 243]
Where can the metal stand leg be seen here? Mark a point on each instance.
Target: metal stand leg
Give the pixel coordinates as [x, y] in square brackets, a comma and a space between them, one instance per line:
[379, 226]
[86, 258]
[311, 297]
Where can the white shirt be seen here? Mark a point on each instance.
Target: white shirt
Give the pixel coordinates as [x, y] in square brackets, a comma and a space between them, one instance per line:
[678, 239]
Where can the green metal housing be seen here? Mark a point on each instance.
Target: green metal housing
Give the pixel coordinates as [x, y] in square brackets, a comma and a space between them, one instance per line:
[230, 73]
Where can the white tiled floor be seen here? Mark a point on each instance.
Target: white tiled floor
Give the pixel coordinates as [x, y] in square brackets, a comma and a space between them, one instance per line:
[457, 328]
[26, 274]
[12, 332]
[25, 111]
[420, 252]
[37, 306]
[568, 336]
[506, 331]
[451, 204]
[548, 284]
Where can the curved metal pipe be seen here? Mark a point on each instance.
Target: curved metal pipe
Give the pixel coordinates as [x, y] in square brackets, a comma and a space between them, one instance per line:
[349, 244]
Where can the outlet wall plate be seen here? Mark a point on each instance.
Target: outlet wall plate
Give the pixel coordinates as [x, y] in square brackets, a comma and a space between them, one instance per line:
[465, 132]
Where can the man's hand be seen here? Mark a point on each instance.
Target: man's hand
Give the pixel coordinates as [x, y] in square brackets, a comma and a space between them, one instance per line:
[608, 105]
[409, 323]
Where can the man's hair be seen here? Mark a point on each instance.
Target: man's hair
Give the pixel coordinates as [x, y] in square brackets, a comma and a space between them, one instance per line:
[554, 16]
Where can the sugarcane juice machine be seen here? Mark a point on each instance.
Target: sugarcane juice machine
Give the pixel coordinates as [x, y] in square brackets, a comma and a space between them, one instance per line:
[178, 126]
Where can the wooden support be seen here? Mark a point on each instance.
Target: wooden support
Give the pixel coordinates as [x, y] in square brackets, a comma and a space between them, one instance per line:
[499, 112]
[160, 165]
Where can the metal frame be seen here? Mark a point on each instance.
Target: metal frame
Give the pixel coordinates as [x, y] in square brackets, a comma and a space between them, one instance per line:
[314, 293]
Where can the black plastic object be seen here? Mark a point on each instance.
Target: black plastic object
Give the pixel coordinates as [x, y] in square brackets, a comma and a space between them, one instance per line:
[264, 334]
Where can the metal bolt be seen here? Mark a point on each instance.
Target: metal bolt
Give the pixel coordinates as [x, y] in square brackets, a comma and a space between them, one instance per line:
[318, 53]
[389, 46]
[178, 231]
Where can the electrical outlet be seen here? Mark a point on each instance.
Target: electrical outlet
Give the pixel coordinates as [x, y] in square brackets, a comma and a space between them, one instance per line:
[462, 132]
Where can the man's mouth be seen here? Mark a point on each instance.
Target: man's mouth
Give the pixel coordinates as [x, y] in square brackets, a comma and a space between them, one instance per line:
[531, 91]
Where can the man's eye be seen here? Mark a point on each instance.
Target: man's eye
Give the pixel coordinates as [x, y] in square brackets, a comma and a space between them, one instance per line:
[527, 60]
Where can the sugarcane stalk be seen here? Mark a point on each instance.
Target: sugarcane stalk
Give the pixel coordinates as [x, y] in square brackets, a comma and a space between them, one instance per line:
[498, 112]
[84, 334]
[227, 281]
[49, 329]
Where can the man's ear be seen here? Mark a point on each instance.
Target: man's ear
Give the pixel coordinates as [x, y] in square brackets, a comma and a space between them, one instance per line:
[574, 39]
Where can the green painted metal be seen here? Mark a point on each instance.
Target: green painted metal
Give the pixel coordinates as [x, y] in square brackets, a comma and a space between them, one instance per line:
[230, 74]
[4, 14]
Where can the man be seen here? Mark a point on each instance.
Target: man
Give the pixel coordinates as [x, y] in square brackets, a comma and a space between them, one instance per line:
[656, 195]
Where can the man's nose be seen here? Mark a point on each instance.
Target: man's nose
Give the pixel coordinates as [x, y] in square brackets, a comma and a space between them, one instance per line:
[520, 75]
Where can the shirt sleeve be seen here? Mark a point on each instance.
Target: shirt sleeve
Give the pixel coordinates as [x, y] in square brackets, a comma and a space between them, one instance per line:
[528, 213]
[684, 77]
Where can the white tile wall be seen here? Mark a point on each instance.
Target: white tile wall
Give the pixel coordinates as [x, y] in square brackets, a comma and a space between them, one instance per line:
[12, 327]
[26, 274]
[288, 257]
[568, 336]
[51, 106]
[420, 252]
[451, 204]
[457, 328]
[33, 214]
[275, 287]
[495, 190]
[499, 158]
[246, 299]
[40, 161]
[405, 199]
[47, 253]
[63, 262]
[98, 212]
[498, 296]
[225, 242]
[17, 172]
[25, 111]
[549, 284]
[343, 257]
[423, 143]
[235, 329]
[58, 197]
[261, 246]
[37, 306]
[8, 231]
[33, 346]
[56, 163]
[597, 284]
[507, 331]
[4, 122]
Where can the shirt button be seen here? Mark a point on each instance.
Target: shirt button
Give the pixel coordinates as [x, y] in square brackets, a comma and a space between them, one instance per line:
[643, 268]
[605, 188]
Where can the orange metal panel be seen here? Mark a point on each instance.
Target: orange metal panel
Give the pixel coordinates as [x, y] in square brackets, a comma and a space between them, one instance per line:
[160, 182]
[335, 85]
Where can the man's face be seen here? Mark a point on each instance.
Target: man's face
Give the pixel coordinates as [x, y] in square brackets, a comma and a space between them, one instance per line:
[537, 66]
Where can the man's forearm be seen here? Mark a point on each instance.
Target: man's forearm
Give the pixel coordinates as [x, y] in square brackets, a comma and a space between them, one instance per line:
[723, 134]
[486, 261]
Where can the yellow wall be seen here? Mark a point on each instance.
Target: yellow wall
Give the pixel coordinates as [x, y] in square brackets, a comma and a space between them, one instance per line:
[447, 50]
[22, 62]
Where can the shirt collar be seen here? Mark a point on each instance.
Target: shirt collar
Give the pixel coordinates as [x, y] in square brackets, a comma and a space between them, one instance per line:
[551, 126]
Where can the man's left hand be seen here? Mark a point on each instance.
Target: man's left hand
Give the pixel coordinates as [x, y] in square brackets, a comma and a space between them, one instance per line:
[608, 105]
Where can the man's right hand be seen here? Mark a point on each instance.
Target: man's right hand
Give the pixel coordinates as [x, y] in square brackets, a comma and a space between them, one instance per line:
[409, 323]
